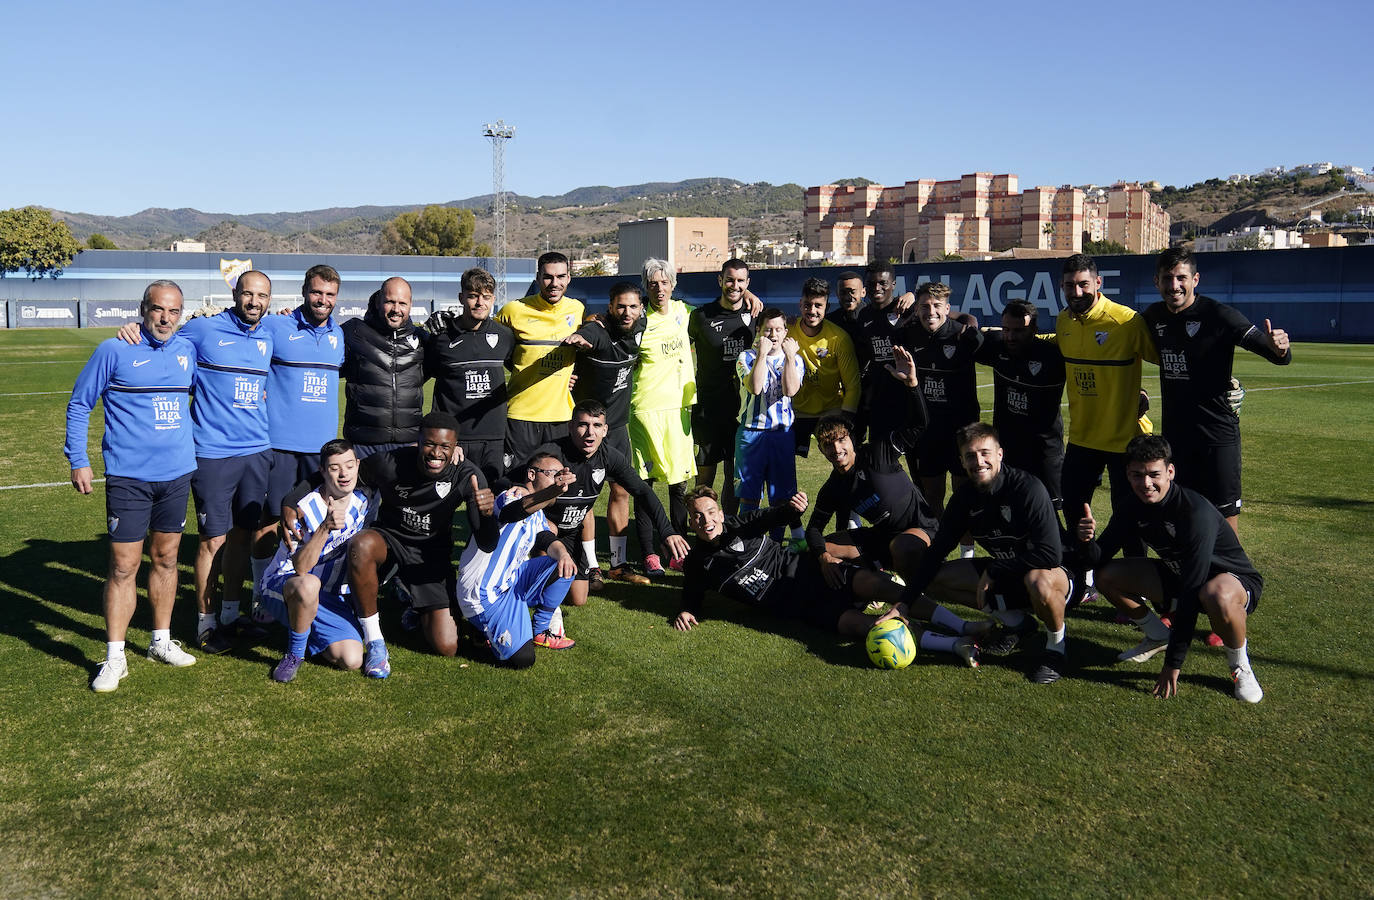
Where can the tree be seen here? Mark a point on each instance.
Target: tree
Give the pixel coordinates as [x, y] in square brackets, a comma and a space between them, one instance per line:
[98, 241]
[32, 241]
[433, 231]
[1252, 241]
[593, 268]
[1104, 248]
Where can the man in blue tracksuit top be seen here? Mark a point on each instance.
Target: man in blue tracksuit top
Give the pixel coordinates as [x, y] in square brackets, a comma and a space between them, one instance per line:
[149, 457]
[233, 456]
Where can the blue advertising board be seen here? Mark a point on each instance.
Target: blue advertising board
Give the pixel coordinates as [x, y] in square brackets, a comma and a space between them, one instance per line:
[1316, 295]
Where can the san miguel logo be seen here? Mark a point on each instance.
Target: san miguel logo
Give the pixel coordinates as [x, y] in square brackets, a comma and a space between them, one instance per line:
[231, 269]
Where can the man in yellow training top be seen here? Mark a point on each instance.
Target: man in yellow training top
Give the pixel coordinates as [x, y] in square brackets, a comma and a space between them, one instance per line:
[1103, 344]
[540, 403]
[831, 384]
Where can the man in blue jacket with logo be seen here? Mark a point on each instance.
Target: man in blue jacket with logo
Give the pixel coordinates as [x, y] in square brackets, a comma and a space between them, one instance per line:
[149, 457]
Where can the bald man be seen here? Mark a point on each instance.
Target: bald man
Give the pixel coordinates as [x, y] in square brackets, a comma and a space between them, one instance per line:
[384, 371]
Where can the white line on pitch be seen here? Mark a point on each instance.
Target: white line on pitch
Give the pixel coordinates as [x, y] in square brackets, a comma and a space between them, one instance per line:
[16, 487]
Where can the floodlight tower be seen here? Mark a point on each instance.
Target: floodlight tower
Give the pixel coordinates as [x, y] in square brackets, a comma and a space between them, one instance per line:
[498, 132]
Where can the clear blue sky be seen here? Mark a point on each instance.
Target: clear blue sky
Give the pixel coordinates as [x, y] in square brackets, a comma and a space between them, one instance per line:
[265, 107]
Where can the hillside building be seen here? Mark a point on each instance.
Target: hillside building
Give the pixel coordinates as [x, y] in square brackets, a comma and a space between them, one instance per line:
[976, 216]
[698, 244]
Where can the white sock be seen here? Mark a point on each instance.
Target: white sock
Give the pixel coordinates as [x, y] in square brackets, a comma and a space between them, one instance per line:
[114, 650]
[1154, 628]
[946, 619]
[1238, 658]
[589, 550]
[1012, 618]
[204, 622]
[162, 635]
[1054, 640]
[259, 569]
[1088, 578]
[966, 551]
[556, 623]
[228, 611]
[372, 627]
[618, 548]
[942, 643]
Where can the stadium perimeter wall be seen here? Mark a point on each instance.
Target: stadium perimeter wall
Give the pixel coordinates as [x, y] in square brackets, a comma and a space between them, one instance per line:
[1316, 295]
[102, 288]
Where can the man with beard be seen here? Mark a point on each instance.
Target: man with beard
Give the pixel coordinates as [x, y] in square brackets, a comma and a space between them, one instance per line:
[1009, 514]
[607, 354]
[1103, 344]
[420, 487]
[384, 372]
[539, 399]
[302, 397]
[884, 405]
[1197, 339]
[849, 296]
[1028, 387]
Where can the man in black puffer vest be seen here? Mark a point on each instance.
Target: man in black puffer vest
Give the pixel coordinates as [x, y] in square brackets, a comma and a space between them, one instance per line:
[383, 367]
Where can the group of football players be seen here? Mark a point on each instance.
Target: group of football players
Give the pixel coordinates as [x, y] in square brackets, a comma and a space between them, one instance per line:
[537, 406]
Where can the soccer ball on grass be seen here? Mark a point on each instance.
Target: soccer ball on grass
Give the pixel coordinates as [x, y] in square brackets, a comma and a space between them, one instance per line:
[890, 645]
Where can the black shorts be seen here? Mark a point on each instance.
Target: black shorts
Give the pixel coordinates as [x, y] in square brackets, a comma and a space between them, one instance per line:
[618, 437]
[807, 596]
[937, 452]
[802, 430]
[573, 544]
[713, 431]
[423, 568]
[230, 492]
[133, 508]
[1041, 457]
[1253, 585]
[487, 455]
[1213, 471]
[1011, 593]
[288, 469]
[522, 439]
[873, 544]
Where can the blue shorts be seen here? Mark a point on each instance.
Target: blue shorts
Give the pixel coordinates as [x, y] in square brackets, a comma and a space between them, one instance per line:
[506, 623]
[335, 619]
[289, 469]
[765, 456]
[133, 507]
[229, 492]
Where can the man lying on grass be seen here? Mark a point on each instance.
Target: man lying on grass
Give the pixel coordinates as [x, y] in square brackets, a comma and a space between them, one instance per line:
[736, 557]
[1201, 568]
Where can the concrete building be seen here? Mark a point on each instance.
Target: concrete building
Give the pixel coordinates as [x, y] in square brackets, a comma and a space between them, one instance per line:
[1254, 238]
[977, 215]
[688, 244]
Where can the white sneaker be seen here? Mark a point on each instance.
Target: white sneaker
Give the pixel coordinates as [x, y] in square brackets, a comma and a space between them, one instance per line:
[111, 673]
[170, 652]
[1144, 650]
[1247, 685]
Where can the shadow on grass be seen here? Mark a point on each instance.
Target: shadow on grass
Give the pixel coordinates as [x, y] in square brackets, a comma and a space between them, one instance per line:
[65, 575]
[1331, 502]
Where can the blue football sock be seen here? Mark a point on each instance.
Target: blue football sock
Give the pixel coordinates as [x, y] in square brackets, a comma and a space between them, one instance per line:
[295, 645]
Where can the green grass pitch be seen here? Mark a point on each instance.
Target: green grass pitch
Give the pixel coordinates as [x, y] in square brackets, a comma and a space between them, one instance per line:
[739, 759]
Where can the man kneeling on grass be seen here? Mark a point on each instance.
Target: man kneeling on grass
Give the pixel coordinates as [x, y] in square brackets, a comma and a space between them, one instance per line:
[306, 588]
[1010, 515]
[736, 557]
[1201, 568]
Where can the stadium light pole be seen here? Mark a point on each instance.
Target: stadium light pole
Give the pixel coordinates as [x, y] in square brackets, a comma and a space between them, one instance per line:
[498, 132]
